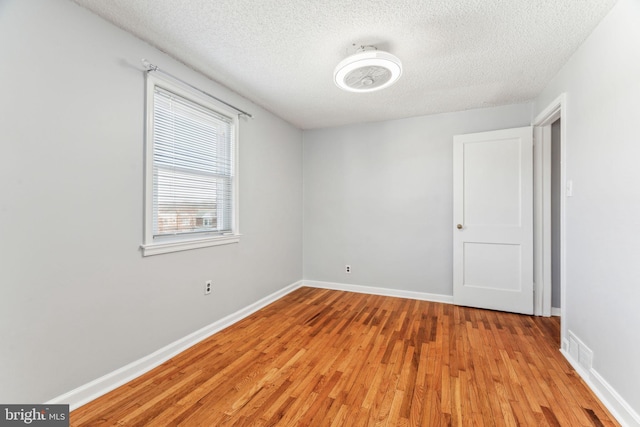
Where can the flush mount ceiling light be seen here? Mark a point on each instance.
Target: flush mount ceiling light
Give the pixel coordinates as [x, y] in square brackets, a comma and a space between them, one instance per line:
[367, 70]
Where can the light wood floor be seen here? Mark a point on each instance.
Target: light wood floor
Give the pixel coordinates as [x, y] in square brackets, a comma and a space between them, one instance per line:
[332, 358]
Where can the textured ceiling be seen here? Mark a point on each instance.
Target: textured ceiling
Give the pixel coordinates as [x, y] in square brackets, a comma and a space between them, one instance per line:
[456, 54]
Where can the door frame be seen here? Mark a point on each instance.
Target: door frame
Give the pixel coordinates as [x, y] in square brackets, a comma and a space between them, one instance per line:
[542, 207]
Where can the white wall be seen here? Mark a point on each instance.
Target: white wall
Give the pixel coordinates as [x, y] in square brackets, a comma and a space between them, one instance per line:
[378, 196]
[602, 82]
[77, 299]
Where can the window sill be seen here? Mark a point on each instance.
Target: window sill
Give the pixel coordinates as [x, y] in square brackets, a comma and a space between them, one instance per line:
[185, 245]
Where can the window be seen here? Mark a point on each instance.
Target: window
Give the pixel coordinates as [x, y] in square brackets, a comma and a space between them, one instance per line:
[190, 183]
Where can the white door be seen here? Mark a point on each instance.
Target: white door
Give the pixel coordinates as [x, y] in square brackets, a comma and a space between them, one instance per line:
[493, 220]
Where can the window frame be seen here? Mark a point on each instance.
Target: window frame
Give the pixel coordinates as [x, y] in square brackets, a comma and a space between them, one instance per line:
[168, 244]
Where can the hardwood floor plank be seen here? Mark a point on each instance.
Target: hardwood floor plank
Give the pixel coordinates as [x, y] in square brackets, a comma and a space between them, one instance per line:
[320, 357]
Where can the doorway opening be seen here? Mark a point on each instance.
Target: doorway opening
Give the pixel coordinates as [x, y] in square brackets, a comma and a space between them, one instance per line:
[556, 242]
[550, 189]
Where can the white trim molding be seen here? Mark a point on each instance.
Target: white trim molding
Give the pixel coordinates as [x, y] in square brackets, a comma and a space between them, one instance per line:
[373, 290]
[100, 386]
[581, 357]
[183, 245]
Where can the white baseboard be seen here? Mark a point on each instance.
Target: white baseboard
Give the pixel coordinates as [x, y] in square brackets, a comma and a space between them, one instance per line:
[96, 388]
[556, 311]
[619, 408]
[100, 386]
[423, 296]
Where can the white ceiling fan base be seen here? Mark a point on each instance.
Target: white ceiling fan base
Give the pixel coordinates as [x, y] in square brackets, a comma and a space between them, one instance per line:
[370, 62]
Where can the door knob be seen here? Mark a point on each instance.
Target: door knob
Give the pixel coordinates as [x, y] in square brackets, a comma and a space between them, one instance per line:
[459, 226]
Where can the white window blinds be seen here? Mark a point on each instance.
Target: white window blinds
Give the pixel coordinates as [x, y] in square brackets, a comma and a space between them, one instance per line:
[192, 167]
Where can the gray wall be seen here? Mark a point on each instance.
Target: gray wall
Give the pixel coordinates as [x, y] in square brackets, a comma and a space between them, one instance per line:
[602, 82]
[77, 299]
[556, 197]
[378, 196]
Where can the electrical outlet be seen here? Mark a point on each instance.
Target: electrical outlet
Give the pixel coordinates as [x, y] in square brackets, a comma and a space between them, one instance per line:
[207, 287]
[347, 269]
